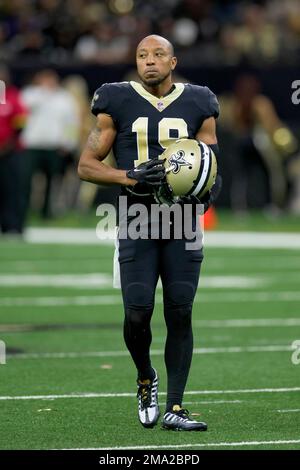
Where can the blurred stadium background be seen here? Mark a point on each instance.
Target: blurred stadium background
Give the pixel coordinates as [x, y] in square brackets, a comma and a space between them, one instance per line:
[60, 319]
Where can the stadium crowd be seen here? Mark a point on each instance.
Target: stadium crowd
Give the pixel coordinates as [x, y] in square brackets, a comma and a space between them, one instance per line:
[107, 31]
[45, 122]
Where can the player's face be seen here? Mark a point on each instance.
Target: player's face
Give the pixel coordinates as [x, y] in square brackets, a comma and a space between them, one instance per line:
[154, 62]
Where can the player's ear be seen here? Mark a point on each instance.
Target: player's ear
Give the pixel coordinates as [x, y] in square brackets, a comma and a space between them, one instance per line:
[173, 63]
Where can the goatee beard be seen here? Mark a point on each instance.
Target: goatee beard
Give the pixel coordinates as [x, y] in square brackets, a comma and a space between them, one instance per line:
[155, 81]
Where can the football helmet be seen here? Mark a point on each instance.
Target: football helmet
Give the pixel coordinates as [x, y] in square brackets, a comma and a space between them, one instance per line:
[191, 170]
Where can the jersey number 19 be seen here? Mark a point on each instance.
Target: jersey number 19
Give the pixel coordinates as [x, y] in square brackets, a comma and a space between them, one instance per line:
[140, 126]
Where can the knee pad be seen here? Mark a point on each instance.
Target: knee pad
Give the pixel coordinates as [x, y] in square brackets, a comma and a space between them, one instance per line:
[180, 293]
[178, 303]
[138, 296]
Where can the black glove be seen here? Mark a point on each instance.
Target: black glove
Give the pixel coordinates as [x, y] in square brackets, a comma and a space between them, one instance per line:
[209, 198]
[151, 172]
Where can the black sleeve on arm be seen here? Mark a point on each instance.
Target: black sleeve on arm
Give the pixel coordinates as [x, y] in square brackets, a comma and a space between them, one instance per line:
[215, 149]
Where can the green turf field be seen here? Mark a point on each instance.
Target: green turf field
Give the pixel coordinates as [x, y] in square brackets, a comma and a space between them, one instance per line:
[69, 383]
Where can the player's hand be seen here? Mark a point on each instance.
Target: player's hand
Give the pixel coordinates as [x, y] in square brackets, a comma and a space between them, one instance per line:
[151, 172]
[209, 198]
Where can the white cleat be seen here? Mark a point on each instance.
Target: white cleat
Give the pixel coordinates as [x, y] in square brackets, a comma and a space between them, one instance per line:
[148, 401]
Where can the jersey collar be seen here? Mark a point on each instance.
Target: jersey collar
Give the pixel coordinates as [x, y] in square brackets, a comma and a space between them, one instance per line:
[159, 103]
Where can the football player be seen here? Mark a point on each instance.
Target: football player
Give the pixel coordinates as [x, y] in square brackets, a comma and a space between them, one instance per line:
[139, 121]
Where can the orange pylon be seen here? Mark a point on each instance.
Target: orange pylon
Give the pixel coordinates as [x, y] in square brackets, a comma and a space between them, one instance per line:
[209, 220]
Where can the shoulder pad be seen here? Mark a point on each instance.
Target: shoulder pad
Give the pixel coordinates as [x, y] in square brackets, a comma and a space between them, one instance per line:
[106, 99]
[100, 100]
[206, 100]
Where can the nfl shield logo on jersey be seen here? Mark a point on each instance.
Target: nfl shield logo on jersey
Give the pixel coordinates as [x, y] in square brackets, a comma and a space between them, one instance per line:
[160, 106]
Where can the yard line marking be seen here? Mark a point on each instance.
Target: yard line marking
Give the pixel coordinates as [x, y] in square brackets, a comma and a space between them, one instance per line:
[210, 402]
[86, 281]
[230, 323]
[215, 239]
[154, 352]
[133, 395]
[237, 282]
[252, 240]
[289, 411]
[234, 281]
[69, 236]
[287, 263]
[99, 280]
[247, 323]
[60, 301]
[262, 296]
[103, 280]
[283, 296]
[207, 444]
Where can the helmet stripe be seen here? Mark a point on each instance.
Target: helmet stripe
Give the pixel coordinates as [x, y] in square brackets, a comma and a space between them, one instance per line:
[196, 181]
[199, 185]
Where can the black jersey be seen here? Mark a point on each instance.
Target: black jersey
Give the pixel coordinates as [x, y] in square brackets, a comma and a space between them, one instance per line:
[147, 125]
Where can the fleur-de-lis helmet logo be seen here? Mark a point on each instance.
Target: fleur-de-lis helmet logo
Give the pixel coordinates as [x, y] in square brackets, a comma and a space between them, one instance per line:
[177, 160]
